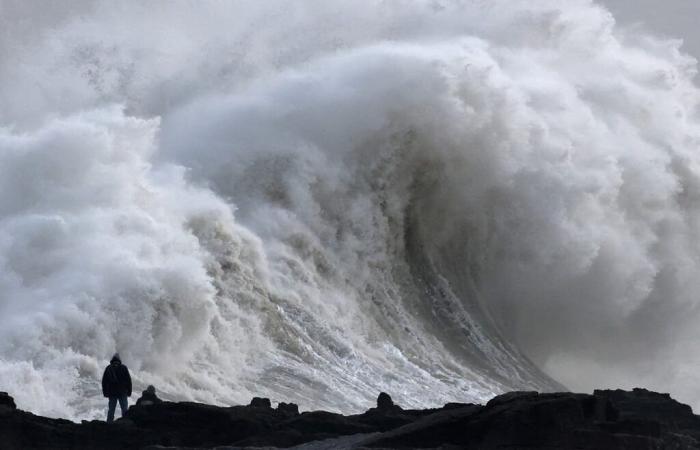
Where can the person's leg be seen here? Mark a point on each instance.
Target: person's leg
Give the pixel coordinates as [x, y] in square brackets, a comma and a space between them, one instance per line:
[110, 410]
[123, 404]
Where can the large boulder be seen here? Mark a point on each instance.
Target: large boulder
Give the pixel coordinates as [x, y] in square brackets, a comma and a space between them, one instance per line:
[529, 420]
[641, 404]
[259, 402]
[291, 409]
[7, 403]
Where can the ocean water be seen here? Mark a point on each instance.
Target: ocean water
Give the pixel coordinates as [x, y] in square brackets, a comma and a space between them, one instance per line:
[316, 201]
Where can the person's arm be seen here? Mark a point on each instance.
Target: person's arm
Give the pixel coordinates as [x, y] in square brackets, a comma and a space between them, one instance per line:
[128, 381]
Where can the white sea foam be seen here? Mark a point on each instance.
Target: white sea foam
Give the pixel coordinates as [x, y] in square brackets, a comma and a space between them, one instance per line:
[315, 201]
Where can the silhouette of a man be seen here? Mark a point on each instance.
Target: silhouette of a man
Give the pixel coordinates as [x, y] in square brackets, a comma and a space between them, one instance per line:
[116, 385]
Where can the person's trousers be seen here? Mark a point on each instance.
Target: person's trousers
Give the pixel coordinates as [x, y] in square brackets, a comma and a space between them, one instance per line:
[123, 404]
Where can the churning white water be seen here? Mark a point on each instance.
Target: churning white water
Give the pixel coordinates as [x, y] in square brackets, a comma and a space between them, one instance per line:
[315, 201]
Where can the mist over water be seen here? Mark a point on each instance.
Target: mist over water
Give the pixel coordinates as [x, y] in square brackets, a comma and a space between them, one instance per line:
[315, 201]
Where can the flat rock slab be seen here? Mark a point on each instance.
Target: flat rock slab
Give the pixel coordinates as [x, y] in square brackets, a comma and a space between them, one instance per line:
[607, 419]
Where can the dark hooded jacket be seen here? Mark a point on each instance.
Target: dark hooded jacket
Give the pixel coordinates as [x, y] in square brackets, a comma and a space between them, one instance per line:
[116, 380]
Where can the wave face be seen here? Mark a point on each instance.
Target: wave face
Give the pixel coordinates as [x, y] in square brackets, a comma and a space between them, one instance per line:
[315, 201]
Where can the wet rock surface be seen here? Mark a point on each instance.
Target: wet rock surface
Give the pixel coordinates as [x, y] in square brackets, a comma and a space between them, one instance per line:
[611, 419]
[7, 402]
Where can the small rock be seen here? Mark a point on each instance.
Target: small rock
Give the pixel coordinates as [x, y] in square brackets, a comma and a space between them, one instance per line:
[384, 401]
[259, 402]
[148, 397]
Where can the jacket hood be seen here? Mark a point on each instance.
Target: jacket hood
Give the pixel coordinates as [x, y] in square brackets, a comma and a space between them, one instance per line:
[116, 358]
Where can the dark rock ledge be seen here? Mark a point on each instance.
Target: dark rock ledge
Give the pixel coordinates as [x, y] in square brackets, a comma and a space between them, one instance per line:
[636, 420]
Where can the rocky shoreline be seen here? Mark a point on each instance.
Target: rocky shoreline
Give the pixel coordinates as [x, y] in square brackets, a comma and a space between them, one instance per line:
[607, 419]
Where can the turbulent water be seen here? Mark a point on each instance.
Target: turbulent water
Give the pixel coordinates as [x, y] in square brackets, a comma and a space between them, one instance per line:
[315, 201]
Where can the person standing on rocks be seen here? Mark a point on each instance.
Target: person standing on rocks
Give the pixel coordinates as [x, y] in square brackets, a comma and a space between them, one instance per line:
[116, 385]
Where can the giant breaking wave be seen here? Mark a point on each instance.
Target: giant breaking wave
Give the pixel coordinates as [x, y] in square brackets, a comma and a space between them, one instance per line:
[314, 201]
